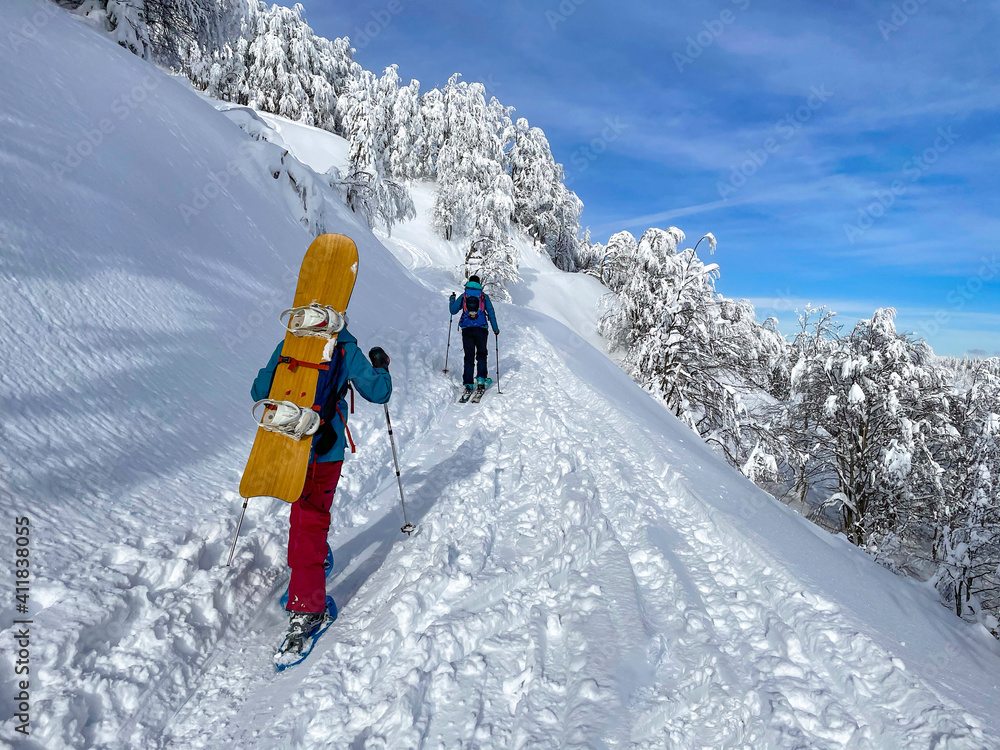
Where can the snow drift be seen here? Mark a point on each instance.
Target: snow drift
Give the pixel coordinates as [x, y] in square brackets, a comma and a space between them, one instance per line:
[587, 573]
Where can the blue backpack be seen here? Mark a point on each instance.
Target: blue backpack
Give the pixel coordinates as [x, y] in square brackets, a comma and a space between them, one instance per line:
[473, 307]
[328, 397]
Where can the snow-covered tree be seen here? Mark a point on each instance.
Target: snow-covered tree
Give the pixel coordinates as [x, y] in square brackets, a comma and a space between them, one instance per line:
[532, 171]
[493, 176]
[269, 58]
[817, 337]
[382, 202]
[491, 253]
[407, 141]
[474, 199]
[967, 543]
[543, 206]
[126, 20]
[561, 226]
[876, 411]
[590, 255]
[161, 28]
[284, 68]
[366, 113]
[612, 267]
[693, 348]
[434, 115]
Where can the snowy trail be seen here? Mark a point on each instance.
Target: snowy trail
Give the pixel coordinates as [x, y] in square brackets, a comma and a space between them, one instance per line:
[562, 594]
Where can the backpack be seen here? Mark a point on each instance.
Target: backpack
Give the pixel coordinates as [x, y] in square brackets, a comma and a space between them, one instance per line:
[329, 400]
[472, 304]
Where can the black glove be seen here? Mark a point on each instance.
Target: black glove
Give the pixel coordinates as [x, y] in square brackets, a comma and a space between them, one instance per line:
[496, 333]
[379, 358]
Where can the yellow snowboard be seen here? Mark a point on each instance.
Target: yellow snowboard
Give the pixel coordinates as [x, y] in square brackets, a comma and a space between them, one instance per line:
[278, 463]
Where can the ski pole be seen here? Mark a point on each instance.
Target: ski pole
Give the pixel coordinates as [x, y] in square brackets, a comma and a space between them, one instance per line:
[448, 350]
[407, 527]
[237, 534]
[496, 336]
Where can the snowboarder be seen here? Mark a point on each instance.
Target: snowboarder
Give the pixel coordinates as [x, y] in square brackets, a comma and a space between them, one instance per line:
[310, 516]
[477, 314]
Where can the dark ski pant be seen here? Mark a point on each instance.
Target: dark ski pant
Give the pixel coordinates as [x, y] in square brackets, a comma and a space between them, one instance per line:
[475, 341]
[309, 523]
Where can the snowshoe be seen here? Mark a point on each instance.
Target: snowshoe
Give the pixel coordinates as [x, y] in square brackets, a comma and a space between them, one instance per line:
[304, 629]
[321, 321]
[327, 569]
[287, 418]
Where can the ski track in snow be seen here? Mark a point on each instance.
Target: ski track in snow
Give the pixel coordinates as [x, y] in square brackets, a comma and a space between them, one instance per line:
[587, 599]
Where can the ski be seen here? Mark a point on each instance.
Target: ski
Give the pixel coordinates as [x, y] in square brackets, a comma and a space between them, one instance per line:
[480, 390]
[294, 651]
[466, 395]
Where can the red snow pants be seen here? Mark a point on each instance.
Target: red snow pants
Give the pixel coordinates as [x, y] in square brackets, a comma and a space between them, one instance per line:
[308, 525]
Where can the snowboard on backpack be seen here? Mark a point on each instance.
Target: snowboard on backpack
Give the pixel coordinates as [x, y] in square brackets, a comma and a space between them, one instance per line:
[279, 458]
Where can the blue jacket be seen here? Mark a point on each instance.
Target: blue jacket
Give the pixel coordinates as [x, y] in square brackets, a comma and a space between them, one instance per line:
[373, 384]
[465, 322]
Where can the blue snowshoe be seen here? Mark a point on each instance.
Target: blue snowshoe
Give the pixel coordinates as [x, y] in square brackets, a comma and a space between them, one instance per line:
[304, 629]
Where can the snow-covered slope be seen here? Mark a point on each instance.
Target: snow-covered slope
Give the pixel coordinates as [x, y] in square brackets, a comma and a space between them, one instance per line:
[571, 299]
[587, 573]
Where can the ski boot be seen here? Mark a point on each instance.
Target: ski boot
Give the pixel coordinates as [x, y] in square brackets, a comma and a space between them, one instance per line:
[481, 385]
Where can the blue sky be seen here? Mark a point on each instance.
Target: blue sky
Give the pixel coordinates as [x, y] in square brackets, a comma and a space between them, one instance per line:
[844, 153]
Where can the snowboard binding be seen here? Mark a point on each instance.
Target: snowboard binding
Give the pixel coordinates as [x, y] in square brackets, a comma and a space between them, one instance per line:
[286, 418]
[321, 321]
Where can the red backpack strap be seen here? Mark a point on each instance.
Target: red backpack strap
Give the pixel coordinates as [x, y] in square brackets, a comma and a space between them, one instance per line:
[294, 364]
[347, 431]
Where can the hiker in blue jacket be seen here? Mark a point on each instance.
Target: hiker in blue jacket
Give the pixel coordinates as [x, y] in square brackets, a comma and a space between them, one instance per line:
[477, 315]
[309, 520]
